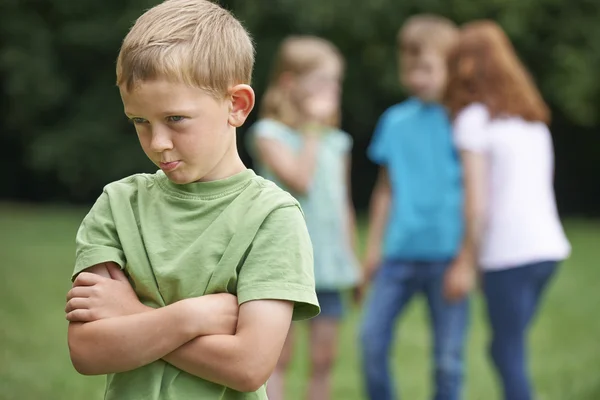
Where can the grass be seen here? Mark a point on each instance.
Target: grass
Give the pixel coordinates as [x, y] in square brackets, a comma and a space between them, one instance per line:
[37, 248]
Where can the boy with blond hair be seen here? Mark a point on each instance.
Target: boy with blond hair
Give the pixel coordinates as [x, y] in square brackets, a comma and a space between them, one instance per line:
[415, 224]
[186, 280]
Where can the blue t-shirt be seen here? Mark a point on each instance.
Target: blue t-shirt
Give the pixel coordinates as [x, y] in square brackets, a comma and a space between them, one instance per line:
[413, 140]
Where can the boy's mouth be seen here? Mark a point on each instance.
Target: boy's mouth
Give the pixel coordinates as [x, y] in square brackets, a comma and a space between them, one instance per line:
[169, 166]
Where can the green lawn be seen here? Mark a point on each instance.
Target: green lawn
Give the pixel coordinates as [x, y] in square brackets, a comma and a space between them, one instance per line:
[36, 244]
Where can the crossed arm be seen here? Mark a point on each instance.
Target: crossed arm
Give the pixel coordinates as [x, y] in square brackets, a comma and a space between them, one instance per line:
[111, 331]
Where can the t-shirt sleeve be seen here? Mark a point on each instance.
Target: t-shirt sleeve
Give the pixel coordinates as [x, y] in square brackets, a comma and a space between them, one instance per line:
[279, 264]
[267, 129]
[345, 141]
[379, 149]
[97, 240]
[469, 128]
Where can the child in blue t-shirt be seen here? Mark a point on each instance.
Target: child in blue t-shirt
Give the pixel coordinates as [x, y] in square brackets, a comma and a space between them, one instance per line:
[415, 225]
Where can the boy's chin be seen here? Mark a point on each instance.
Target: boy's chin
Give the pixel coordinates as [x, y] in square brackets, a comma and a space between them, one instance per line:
[429, 98]
[180, 179]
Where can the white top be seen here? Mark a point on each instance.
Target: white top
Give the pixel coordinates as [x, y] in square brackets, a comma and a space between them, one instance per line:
[522, 224]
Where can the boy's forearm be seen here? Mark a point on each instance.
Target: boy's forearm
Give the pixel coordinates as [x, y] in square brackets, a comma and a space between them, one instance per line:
[473, 232]
[243, 361]
[124, 343]
[216, 358]
[378, 214]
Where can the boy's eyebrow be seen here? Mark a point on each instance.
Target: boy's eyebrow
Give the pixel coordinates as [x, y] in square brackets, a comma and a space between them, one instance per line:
[128, 113]
[167, 112]
[175, 111]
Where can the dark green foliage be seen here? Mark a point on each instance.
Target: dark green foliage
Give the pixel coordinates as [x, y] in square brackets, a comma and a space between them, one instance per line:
[64, 135]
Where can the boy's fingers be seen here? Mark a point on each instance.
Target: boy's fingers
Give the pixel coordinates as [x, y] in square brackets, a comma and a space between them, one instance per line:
[116, 273]
[78, 291]
[87, 279]
[77, 303]
[80, 315]
[450, 292]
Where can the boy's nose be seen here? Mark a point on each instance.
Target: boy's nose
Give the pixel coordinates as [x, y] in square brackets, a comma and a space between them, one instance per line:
[161, 141]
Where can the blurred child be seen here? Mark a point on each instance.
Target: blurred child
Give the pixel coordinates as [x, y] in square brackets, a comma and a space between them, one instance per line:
[298, 144]
[196, 238]
[513, 229]
[415, 223]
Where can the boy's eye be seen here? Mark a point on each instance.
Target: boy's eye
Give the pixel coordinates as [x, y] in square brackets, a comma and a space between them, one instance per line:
[137, 120]
[175, 118]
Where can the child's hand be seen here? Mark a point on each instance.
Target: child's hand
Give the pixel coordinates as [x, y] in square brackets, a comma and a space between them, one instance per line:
[320, 107]
[459, 280]
[216, 314]
[94, 297]
[359, 292]
[370, 267]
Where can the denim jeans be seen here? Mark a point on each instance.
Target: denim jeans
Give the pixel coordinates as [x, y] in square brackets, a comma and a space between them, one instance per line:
[512, 297]
[394, 285]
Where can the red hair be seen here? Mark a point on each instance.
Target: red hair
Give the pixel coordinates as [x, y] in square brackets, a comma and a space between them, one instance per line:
[485, 68]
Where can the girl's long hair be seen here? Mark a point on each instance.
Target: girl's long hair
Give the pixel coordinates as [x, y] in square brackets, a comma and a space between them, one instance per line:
[485, 68]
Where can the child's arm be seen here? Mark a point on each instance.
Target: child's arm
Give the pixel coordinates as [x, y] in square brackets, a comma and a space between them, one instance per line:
[123, 334]
[350, 207]
[243, 361]
[378, 214]
[471, 139]
[474, 171]
[275, 284]
[294, 170]
[461, 276]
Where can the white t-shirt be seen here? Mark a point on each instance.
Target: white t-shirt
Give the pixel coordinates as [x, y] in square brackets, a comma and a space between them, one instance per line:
[522, 225]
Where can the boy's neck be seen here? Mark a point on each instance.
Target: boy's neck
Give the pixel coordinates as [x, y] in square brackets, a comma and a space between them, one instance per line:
[428, 101]
[231, 164]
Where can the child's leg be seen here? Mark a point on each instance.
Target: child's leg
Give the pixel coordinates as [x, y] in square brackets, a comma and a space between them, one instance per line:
[450, 322]
[512, 296]
[323, 344]
[392, 289]
[276, 383]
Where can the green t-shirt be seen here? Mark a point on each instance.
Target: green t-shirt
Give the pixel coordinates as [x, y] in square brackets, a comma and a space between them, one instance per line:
[241, 235]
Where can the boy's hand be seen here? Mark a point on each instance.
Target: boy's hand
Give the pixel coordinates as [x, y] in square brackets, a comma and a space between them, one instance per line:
[459, 279]
[358, 293]
[370, 267]
[214, 314]
[94, 297]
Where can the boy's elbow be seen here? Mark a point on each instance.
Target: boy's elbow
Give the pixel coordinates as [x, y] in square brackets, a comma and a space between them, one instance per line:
[250, 379]
[82, 367]
[82, 360]
[253, 372]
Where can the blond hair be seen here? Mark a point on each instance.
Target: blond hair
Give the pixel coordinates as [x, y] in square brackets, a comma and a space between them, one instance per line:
[426, 32]
[297, 55]
[194, 42]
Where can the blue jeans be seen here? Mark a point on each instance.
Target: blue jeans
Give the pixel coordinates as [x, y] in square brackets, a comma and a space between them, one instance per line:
[512, 297]
[395, 284]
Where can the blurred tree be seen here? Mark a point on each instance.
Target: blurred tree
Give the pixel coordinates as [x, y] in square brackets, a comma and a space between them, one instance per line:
[65, 135]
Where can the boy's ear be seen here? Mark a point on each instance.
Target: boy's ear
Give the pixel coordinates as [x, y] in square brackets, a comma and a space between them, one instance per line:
[242, 103]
